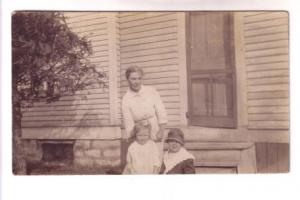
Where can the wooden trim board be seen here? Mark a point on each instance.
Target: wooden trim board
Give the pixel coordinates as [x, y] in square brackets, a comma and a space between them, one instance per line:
[60, 133]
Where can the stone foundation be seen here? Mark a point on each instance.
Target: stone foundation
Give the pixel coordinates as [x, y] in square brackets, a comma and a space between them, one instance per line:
[89, 153]
[32, 150]
[97, 153]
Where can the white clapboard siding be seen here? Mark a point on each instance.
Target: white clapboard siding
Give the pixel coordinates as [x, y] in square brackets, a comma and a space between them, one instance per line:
[266, 37]
[146, 18]
[268, 66]
[154, 69]
[154, 45]
[274, 124]
[82, 17]
[138, 17]
[268, 73]
[265, 117]
[156, 74]
[153, 63]
[268, 109]
[155, 81]
[66, 117]
[278, 29]
[65, 108]
[66, 123]
[269, 80]
[86, 20]
[268, 94]
[66, 112]
[267, 52]
[266, 45]
[265, 23]
[97, 27]
[149, 40]
[73, 102]
[153, 57]
[89, 107]
[152, 51]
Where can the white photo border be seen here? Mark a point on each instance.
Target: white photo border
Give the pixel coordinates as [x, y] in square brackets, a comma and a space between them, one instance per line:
[271, 186]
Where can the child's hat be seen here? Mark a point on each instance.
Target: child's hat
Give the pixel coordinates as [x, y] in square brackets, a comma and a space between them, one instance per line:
[175, 134]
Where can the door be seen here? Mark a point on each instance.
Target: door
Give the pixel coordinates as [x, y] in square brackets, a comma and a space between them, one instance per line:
[211, 69]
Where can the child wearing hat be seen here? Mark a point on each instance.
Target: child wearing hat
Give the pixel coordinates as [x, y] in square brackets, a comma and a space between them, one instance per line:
[143, 153]
[177, 160]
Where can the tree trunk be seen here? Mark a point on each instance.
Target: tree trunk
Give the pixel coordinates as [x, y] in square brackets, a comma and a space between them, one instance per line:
[18, 162]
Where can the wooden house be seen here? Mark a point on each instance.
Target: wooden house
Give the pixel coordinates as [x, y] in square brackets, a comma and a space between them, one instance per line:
[223, 77]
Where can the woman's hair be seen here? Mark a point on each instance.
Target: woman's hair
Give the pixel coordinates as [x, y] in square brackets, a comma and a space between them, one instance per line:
[139, 126]
[132, 69]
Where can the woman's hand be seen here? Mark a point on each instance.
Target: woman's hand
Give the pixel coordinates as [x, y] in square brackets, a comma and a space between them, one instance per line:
[160, 133]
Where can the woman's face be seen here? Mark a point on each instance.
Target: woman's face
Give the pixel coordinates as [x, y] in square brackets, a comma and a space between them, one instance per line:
[135, 81]
[174, 146]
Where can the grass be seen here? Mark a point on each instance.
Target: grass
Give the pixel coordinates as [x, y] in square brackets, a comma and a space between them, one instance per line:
[39, 168]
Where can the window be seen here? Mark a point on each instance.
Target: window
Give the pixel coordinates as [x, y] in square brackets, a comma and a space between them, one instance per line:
[211, 69]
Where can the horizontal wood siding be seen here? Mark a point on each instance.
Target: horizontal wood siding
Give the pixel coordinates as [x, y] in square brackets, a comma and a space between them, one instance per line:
[150, 40]
[266, 40]
[89, 107]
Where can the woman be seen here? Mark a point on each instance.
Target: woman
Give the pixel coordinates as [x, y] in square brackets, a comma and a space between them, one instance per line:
[142, 103]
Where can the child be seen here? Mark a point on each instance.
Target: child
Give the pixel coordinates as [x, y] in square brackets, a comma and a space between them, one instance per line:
[143, 154]
[177, 160]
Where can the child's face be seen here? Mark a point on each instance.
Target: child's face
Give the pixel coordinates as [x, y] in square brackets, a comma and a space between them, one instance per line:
[142, 136]
[174, 146]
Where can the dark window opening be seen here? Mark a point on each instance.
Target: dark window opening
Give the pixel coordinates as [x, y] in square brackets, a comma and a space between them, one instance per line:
[58, 152]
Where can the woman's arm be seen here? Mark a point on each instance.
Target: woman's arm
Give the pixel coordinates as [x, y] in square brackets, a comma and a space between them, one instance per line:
[155, 157]
[161, 114]
[127, 119]
[160, 133]
[160, 109]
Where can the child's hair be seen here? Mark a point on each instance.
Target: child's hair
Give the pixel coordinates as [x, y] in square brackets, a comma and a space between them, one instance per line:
[139, 126]
[175, 134]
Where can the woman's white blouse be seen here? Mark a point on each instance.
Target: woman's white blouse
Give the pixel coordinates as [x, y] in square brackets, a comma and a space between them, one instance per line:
[145, 105]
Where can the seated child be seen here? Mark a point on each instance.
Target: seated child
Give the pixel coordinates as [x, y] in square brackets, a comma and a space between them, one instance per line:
[177, 160]
[143, 154]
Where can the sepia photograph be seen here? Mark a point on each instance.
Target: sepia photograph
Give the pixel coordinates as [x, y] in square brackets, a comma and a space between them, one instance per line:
[150, 92]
